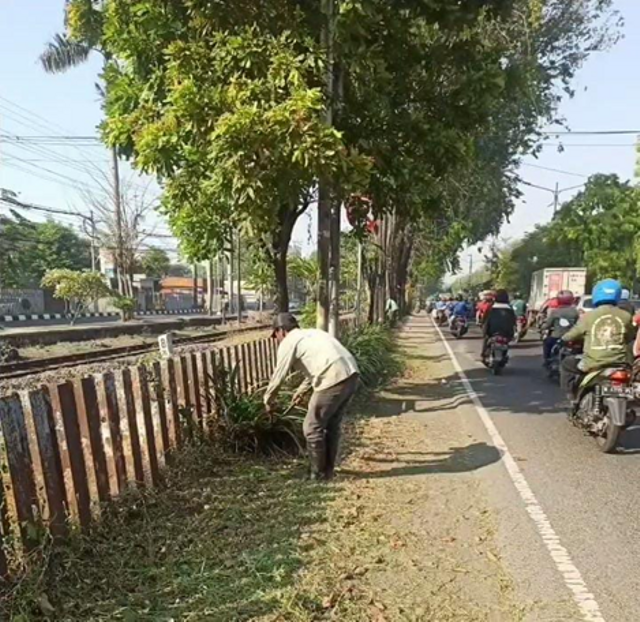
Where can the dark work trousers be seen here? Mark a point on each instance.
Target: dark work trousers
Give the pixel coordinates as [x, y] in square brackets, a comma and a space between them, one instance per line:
[547, 347]
[570, 375]
[322, 425]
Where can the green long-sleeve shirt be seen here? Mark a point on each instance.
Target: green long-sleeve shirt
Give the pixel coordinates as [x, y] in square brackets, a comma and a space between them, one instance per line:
[607, 333]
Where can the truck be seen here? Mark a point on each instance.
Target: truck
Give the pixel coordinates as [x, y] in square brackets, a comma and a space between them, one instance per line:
[547, 283]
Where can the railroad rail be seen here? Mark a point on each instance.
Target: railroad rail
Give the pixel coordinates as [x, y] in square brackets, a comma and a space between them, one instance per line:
[20, 369]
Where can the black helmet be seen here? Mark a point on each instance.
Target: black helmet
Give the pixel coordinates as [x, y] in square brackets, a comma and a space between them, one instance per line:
[502, 296]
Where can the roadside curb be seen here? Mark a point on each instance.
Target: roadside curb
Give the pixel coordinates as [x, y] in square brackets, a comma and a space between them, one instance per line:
[29, 317]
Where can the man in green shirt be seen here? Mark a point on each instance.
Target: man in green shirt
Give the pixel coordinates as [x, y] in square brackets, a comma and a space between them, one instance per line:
[519, 306]
[607, 333]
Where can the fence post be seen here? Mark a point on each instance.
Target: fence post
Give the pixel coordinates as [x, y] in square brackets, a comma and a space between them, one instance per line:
[112, 411]
[51, 466]
[72, 456]
[19, 464]
[161, 401]
[145, 426]
[89, 422]
[130, 436]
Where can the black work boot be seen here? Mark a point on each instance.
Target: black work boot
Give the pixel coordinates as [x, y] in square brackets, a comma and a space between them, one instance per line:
[318, 461]
[333, 447]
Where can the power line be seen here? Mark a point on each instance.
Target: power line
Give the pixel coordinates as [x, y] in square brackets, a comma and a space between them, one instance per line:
[554, 170]
[591, 132]
[588, 145]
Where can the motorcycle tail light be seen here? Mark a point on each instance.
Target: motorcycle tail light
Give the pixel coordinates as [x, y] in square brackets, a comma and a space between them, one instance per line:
[620, 377]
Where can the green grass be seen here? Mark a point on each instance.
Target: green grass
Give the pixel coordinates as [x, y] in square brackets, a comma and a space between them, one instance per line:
[219, 542]
[227, 537]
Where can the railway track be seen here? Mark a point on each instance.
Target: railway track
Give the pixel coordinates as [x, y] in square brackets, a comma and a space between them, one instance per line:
[20, 369]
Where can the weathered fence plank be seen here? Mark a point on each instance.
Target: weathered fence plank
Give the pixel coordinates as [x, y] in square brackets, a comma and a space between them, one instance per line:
[18, 457]
[71, 453]
[144, 421]
[130, 435]
[160, 395]
[91, 436]
[110, 407]
[50, 462]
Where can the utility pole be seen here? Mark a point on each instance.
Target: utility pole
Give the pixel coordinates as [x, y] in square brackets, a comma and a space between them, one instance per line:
[239, 280]
[92, 220]
[359, 284]
[556, 199]
[231, 287]
[325, 216]
[210, 286]
[118, 215]
[195, 285]
[470, 270]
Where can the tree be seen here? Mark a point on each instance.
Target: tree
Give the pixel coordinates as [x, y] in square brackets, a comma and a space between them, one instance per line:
[29, 249]
[77, 289]
[156, 262]
[225, 103]
[603, 221]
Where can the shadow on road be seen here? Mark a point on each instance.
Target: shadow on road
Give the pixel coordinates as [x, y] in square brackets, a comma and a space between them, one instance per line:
[455, 460]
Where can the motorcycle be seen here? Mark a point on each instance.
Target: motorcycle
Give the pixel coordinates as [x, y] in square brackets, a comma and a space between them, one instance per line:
[602, 407]
[498, 355]
[559, 352]
[459, 327]
[441, 317]
[522, 326]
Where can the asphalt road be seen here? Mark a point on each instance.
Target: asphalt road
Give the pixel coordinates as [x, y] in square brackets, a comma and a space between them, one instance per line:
[591, 499]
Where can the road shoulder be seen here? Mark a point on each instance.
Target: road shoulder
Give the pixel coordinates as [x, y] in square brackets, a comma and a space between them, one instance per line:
[413, 533]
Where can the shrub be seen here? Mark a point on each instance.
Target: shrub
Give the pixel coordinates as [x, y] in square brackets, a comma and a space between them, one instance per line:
[375, 352]
[244, 426]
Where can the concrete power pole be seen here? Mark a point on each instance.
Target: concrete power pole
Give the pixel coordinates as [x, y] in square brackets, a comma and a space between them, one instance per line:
[117, 201]
[326, 224]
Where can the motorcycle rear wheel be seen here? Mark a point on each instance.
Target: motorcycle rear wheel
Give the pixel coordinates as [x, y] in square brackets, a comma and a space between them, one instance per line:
[608, 443]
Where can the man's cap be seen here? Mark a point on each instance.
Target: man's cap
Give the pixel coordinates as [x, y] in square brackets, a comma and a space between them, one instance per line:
[287, 321]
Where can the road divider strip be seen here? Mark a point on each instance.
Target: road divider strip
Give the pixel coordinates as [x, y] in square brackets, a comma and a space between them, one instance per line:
[572, 577]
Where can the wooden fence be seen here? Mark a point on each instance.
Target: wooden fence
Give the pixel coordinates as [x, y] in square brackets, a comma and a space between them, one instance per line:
[66, 449]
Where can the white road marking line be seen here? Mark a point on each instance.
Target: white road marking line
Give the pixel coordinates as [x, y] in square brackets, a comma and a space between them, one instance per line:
[571, 576]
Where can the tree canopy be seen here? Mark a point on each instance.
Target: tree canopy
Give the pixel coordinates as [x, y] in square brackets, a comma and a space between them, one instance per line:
[29, 249]
[434, 104]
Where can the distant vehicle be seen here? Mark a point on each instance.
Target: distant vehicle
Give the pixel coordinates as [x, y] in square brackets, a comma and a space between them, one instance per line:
[546, 284]
[586, 304]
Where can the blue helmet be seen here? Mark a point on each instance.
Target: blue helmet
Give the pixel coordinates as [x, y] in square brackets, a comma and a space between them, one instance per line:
[607, 292]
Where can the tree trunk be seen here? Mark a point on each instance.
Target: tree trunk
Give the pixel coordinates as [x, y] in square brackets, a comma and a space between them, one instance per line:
[278, 252]
[324, 251]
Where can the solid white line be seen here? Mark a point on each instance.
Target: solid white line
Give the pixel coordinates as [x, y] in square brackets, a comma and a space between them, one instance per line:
[570, 574]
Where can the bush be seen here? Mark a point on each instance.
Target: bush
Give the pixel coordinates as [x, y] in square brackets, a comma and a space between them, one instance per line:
[375, 352]
[126, 305]
[243, 425]
[308, 315]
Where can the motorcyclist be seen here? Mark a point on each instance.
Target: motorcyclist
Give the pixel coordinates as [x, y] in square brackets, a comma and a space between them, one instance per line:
[460, 309]
[500, 320]
[519, 306]
[625, 302]
[484, 306]
[558, 322]
[607, 332]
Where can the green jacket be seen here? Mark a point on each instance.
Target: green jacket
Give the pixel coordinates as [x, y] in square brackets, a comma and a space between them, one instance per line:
[607, 333]
[519, 307]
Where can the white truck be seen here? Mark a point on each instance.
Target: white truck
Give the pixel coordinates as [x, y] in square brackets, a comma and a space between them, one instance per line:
[547, 283]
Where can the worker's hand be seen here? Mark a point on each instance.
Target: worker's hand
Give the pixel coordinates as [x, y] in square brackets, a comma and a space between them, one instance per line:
[297, 399]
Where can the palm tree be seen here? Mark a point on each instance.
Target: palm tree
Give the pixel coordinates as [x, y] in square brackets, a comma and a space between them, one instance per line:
[62, 54]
